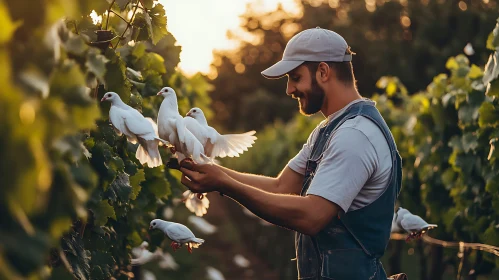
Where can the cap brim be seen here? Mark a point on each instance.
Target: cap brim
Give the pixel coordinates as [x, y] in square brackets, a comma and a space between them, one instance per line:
[280, 69]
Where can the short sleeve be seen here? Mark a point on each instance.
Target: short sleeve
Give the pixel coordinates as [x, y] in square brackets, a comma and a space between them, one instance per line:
[347, 164]
[299, 162]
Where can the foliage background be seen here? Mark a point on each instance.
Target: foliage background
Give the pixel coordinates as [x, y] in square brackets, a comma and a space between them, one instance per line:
[76, 201]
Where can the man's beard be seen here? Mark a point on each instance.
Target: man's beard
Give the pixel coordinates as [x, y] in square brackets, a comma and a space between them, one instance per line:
[313, 98]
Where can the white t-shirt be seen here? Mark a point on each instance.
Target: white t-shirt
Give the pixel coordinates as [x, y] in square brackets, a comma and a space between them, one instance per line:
[355, 167]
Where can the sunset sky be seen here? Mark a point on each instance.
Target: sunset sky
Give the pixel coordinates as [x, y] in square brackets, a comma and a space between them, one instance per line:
[200, 26]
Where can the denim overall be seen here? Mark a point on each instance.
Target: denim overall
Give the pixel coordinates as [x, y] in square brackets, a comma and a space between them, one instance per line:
[351, 245]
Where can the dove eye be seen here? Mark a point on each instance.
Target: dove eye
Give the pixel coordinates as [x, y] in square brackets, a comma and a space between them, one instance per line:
[153, 224]
[194, 111]
[109, 95]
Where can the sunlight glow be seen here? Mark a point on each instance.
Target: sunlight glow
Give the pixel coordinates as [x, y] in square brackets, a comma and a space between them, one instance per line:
[200, 26]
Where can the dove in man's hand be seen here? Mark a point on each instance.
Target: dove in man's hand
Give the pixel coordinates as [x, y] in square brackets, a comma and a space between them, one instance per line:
[171, 127]
[395, 226]
[178, 233]
[127, 120]
[214, 143]
[413, 224]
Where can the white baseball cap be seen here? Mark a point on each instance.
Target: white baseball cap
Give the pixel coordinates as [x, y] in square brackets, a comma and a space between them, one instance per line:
[315, 44]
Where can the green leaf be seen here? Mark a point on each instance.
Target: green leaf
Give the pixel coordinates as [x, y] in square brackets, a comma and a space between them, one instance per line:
[493, 88]
[121, 3]
[96, 63]
[488, 115]
[85, 117]
[470, 141]
[115, 77]
[85, 176]
[156, 183]
[148, 3]
[102, 211]
[170, 52]
[8, 26]
[158, 22]
[491, 235]
[76, 45]
[468, 114]
[135, 181]
[153, 62]
[475, 72]
[105, 263]
[60, 225]
[120, 189]
[134, 239]
[139, 50]
[493, 38]
[153, 84]
[451, 64]
[492, 185]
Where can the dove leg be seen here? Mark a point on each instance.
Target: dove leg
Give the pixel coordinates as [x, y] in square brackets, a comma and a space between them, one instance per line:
[175, 246]
[189, 248]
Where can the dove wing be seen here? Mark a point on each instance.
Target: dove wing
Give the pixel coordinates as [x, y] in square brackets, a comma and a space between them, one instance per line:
[117, 119]
[138, 125]
[231, 145]
[196, 129]
[180, 127]
[413, 222]
[179, 233]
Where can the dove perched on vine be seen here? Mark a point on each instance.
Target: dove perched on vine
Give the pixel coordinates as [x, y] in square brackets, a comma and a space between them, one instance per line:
[178, 233]
[214, 143]
[412, 224]
[171, 127]
[127, 120]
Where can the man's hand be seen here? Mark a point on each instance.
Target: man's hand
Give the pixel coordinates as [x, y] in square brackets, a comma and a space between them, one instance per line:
[203, 178]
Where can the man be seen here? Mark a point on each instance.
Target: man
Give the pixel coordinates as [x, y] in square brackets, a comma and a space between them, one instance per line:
[338, 193]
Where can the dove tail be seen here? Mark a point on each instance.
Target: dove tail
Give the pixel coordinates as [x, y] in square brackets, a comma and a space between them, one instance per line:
[196, 242]
[149, 154]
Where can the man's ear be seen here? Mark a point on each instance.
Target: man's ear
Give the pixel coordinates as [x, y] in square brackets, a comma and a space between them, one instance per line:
[324, 72]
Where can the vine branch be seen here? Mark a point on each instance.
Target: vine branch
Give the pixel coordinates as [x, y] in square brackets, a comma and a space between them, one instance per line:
[129, 23]
[109, 13]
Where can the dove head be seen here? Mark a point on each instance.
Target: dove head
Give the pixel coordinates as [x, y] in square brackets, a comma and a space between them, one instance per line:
[166, 92]
[196, 113]
[157, 224]
[402, 211]
[110, 96]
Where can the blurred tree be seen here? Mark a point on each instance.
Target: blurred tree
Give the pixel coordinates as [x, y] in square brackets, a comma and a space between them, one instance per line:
[409, 39]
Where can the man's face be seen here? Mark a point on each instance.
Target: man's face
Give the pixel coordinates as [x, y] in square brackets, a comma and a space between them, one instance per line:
[302, 85]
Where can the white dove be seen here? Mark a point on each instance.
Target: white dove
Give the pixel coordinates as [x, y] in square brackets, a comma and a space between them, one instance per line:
[395, 226]
[172, 128]
[126, 120]
[178, 233]
[214, 143]
[413, 224]
[143, 255]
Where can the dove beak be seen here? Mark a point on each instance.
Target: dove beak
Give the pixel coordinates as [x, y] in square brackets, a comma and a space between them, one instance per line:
[159, 93]
[189, 114]
[150, 227]
[103, 99]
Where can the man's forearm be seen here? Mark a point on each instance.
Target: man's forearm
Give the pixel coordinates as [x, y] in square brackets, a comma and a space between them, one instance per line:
[265, 183]
[281, 209]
